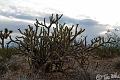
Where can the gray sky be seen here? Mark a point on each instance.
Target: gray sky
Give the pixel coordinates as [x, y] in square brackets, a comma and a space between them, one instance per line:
[96, 16]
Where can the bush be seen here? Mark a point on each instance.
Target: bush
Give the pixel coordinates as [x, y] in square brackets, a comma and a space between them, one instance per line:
[7, 53]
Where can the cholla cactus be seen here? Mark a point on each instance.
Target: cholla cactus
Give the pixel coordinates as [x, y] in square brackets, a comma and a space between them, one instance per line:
[51, 45]
[4, 35]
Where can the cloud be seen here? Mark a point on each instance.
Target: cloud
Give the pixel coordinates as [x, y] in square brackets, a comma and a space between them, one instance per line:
[12, 12]
[93, 28]
[12, 24]
[85, 22]
[89, 8]
[19, 13]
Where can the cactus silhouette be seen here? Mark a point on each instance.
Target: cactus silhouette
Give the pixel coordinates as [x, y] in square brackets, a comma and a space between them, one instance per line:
[4, 35]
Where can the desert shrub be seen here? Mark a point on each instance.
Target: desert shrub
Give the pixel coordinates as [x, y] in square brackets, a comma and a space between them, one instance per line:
[104, 52]
[111, 49]
[5, 56]
[7, 53]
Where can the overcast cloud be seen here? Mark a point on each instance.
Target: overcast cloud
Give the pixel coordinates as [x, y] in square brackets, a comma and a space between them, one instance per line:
[16, 14]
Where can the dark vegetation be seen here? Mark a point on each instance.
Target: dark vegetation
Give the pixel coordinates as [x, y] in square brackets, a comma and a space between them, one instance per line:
[54, 48]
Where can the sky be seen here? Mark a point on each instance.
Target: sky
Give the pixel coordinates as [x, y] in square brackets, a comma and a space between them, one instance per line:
[96, 16]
